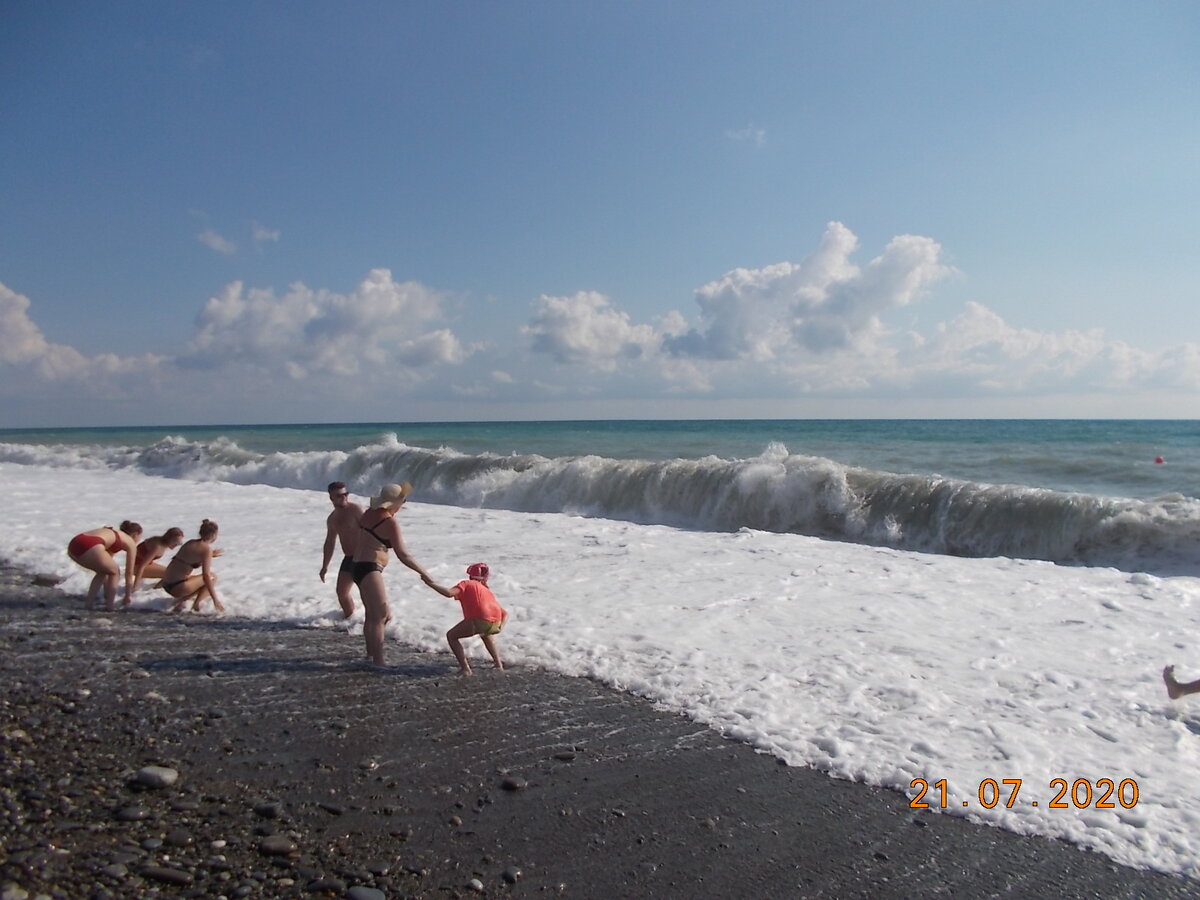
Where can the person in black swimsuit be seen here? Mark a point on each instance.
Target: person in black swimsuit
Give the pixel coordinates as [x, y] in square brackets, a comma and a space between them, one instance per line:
[379, 534]
[180, 579]
[342, 525]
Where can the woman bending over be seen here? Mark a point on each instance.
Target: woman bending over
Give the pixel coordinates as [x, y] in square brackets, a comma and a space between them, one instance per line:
[95, 549]
[146, 565]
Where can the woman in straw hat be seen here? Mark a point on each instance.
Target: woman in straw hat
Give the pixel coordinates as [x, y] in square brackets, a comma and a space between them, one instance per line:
[381, 533]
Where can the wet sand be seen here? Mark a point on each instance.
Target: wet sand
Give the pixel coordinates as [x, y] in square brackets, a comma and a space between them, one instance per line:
[303, 771]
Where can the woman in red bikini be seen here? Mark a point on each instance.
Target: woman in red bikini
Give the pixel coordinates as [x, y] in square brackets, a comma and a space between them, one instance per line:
[95, 549]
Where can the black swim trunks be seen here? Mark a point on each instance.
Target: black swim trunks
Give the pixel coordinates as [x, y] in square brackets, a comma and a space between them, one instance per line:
[347, 565]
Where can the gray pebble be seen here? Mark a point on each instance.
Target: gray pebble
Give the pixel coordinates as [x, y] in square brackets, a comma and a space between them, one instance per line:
[132, 813]
[156, 776]
[277, 845]
[358, 892]
[169, 876]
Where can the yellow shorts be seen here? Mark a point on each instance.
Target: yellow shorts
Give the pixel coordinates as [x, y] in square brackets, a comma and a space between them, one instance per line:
[483, 626]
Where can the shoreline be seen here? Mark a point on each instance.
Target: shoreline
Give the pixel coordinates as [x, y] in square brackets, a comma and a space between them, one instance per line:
[302, 771]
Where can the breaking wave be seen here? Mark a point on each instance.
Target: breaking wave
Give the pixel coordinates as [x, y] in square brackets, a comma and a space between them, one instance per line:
[774, 491]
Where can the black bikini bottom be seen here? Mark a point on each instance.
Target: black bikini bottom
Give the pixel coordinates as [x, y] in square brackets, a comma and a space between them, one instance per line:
[362, 569]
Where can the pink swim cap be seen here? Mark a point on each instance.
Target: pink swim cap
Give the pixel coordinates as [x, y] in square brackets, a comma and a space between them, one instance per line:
[478, 570]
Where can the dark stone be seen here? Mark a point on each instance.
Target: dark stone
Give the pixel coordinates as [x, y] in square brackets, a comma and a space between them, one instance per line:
[167, 876]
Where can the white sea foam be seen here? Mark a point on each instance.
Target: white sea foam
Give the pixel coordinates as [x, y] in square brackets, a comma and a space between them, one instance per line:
[773, 491]
[872, 664]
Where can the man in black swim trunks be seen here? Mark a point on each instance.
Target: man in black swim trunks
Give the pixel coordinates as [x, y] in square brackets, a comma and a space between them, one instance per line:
[342, 525]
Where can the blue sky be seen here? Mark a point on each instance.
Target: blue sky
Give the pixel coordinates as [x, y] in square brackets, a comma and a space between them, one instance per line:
[305, 212]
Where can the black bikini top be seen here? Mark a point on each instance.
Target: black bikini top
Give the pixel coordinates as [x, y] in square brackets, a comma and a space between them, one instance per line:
[386, 543]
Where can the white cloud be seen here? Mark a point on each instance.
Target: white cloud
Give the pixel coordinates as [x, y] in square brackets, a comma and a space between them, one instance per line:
[585, 329]
[377, 326]
[751, 134]
[819, 328]
[262, 234]
[23, 346]
[214, 241]
[979, 349]
[823, 304]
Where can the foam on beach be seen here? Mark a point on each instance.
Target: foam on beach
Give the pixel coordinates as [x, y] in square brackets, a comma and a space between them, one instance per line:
[774, 491]
[873, 664]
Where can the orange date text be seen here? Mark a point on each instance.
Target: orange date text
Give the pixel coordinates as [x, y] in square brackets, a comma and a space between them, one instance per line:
[1103, 793]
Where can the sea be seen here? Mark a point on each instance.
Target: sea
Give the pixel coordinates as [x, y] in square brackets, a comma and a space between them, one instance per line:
[975, 613]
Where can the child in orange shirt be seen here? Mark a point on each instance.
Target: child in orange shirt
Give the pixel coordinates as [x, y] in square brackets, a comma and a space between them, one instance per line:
[482, 615]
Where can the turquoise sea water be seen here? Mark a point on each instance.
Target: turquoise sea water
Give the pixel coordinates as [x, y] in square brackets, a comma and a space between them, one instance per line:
[1076, 491]
[1109, 457]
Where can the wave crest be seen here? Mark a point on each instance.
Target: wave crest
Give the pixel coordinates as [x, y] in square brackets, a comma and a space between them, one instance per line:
[774, 491]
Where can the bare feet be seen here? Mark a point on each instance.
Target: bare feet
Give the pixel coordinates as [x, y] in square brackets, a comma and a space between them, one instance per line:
[1174, 691]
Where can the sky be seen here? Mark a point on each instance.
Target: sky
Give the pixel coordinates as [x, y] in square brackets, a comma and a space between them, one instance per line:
[271, 212]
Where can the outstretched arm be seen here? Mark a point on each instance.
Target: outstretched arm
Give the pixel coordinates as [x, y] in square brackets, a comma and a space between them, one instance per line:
[402, 553]
[452, 593]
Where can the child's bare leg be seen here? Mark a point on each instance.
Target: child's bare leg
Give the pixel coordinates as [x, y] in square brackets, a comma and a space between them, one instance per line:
[454, 637]
[491, 648]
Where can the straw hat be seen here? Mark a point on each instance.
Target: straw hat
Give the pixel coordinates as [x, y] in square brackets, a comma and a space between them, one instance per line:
[391, 496]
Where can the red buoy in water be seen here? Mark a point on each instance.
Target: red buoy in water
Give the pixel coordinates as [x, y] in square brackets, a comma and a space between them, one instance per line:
[1159, 460]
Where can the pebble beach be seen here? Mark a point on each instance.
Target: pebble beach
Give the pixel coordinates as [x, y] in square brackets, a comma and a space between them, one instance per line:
[151, 755]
